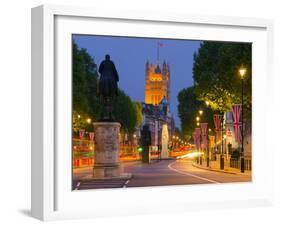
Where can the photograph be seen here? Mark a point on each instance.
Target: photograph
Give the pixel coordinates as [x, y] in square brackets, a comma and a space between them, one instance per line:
[152, 111]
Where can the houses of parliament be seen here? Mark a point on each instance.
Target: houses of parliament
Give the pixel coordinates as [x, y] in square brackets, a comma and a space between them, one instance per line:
[156, 106]
[157, 83]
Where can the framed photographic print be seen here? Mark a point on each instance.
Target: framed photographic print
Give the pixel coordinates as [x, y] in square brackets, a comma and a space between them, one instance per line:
[136, 113]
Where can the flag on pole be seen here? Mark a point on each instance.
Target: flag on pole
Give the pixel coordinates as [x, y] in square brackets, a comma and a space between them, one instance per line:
[81, 133]
[236, 110]
[198, 133]
[159, 45]
[204, 127]
[217, 122]
[91, 136]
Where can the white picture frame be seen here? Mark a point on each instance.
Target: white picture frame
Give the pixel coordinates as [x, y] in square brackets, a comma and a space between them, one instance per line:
[52, 197]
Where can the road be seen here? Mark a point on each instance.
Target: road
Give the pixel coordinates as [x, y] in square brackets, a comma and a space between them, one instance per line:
[157, 173]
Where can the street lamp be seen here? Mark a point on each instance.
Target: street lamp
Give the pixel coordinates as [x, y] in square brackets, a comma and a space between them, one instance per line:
[198, 124]
[242, 73]
[222, 138]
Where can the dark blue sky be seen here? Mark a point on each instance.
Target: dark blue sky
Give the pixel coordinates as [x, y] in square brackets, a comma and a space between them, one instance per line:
[131, 54]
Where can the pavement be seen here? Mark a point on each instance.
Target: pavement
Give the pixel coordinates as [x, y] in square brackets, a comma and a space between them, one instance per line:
[158, 173]
[215, 166]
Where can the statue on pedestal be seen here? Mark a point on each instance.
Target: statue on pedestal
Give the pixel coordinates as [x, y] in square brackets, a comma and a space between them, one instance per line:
[107, 87]
[106, 156]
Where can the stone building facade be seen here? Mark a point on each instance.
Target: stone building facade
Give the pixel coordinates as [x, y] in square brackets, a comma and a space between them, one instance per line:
[156, 106]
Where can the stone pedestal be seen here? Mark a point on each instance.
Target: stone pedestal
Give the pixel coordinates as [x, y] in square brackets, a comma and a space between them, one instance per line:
[165, 140]
[106, 155]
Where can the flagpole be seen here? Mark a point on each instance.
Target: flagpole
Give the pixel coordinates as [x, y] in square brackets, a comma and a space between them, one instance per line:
[158, 52]
[222, 152]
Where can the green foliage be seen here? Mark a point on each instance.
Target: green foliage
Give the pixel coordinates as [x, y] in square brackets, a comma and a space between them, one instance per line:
[84, 89]
[188, 110]
[216, 77]
[138, 111]
[86, 102]
[216, 80]
[124, 112]
[80, 102]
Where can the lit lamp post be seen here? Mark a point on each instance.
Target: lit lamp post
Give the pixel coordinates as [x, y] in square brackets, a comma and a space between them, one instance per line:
[242, 72]
[208, 150]
[222, 149]
[89, 120]
[198, 124]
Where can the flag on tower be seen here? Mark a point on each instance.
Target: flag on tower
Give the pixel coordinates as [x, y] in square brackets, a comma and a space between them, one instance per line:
[159, 44]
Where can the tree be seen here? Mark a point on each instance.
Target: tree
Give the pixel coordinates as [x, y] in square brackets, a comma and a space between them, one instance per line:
[138, 111]
[216, 78]
[188, 110]
[124, 112]
[86, 101]
[80, 102]
[84, 89]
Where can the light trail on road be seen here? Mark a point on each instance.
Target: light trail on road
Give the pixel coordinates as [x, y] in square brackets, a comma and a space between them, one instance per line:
[189, 174]
[157, 173]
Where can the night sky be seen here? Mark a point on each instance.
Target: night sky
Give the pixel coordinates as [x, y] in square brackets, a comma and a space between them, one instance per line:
[131, 54]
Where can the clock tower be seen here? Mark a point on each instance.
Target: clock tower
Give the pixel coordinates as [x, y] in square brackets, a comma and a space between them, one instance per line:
[157, 83]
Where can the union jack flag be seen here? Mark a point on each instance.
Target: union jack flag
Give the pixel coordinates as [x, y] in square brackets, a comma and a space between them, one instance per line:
[198, 133]
[204, 127]
[160, 44]
[217, 122]
[91, 136]
[81, 133]
[236, 110]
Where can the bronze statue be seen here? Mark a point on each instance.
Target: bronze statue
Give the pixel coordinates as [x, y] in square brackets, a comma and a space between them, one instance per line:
[107, 86]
